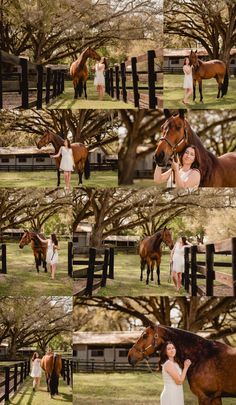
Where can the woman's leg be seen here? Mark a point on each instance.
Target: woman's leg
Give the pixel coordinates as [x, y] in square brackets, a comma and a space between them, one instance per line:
[34, 383]
[53, 270]
[174, 278]
[69, 179]
[179, 275]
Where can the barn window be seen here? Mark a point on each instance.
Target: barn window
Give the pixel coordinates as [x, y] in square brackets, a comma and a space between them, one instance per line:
[97, 353]
[40, 159]
[22, 160]
[123, 352]
[233, 61]
[174, 61]
[5, 160]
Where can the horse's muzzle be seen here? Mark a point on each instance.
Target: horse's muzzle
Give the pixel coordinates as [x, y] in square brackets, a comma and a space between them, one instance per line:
[159, 159]
[131, 360]
[21, 247]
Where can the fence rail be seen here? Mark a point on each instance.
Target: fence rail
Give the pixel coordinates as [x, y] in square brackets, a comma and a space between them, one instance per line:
[3, 258]
[18, 75]
[95, 366]
[99, 269]
[144, 82]
[13, 376]
[38, 167]
[198, 269]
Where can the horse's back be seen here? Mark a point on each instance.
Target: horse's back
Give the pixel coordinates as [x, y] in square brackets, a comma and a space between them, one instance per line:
[213, 67]
[79, 151]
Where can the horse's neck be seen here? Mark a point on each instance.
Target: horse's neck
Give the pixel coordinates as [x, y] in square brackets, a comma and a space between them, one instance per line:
[57, 142]
[157, 240]
[82, 59]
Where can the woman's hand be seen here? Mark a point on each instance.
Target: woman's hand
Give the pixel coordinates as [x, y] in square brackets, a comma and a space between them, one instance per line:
[175, 166]
[187, 363]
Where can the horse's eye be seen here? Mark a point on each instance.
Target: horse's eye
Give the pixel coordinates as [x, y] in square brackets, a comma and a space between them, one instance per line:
[178, 128]
[145, 336]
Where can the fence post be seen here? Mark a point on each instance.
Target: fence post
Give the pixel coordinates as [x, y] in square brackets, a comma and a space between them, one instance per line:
[135, 81]
[194, 269]
[7, 383]
[68, 372]
[24, 83]
[210, 274]
[70, 259]
[151, 79]
[107, 81]
[186, 268]
[40, 86]
[123, 81]
[90, 274]
[111, 264]
[1, 85]
[71, 373]
[48, 84]
[15, 376]
[234, 265]
[117, 82]
[54, 92]
[4, 258]
[105, 267]
[111, 83]
[62, 82]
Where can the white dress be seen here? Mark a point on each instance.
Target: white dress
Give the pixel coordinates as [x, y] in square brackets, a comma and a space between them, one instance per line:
[52, 254]
[99, 74]
[67, 160]
[36, 369]
[178, 258]
[183, 175]
[172, 393]
[188, 80]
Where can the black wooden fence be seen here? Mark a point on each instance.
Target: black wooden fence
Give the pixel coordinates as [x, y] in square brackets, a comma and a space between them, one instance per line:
[13, 376]
[205, 269]
[110, 366]
[144, 82]
[3, 258]
[97, 270]
[34, 83]
[67, 371]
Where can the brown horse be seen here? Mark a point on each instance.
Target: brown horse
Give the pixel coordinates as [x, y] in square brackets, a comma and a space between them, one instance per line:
[79, 71]
[150, 252]
[52, 365]
[39, 249]
[79, 150]
[177, 134]
[212, 374]
[208, 70]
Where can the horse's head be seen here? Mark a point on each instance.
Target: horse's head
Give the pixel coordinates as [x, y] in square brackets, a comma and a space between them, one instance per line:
[45, 140]
[167, 238]
[145, 346]
[25, 240]
[174, 138]
[193, 58]
[91, 53]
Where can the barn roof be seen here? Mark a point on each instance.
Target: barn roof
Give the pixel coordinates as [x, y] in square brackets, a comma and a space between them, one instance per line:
[10, 151]
[114, 337]
[123, 238]
[183, 52]
[84, 227]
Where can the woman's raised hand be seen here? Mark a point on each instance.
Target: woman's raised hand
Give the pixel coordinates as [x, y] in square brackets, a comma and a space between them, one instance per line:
[187, 363]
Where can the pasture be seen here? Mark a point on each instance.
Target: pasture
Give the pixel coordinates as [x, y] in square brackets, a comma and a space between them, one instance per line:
[174, 93]
[134, 388]
[25, 395]
[49, 179]
[66, 100]
[127, 278]
[23, 279]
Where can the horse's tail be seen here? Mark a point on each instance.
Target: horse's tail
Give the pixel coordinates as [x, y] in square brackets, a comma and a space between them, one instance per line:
[225, 83]
[54, 378]
[87, 169]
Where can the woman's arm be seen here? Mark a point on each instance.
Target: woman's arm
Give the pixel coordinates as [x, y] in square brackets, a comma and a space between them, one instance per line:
[171, 370]
[42, 240]
[192, 181]
[57, 155]
[160, 177]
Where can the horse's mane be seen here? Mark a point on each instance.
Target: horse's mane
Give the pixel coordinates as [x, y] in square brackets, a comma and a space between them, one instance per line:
[207, 159]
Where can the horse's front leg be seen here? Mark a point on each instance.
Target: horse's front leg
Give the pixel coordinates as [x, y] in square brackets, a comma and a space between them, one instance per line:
[142, 267]
[37, 263]
[58, 178]
[194, 89]
[80, 177]
[85, 90]
[148, 273]
[45, 265]
[200, 90]
[152, 268]
[158, 275]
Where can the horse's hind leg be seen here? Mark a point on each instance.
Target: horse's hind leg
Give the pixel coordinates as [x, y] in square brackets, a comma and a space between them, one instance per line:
[80, 177]
[200, 90]
[158, 274]
[219, 86]
[85, 90]
[142, 267]
[152, 268]
[45, 266]
[148, 273]
[37, 263]
[58, 178]
[194, 90]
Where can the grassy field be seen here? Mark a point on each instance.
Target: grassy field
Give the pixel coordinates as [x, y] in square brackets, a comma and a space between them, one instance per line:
[125, 389]
[66, 100]
[127, 278]
[173, 94]
[23, 279]
[49, 179]
[26, 396]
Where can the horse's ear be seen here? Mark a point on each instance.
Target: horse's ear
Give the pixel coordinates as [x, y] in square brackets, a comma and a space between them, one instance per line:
[167, 113]
[181, 113]
[196, 51]
[152, 326]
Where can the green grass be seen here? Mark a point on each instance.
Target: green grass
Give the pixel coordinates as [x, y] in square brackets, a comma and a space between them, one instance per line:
[174, 94]
[137, 388]
[49, 179]
[25, 396]
[66, 100]
[23, 279]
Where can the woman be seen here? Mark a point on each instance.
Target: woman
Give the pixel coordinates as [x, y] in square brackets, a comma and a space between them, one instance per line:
[52, 253]
[177, 261]
[188, 81]
[36, 370]
[173, 376]
[186, 171]
[67, 161]
[99, 80]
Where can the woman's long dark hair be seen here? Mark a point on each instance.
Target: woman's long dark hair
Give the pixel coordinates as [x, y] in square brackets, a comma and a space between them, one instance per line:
[164, 357]
[68, 143]
[54, 239]
[196, 163]
[184, 240]
[34, 356]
